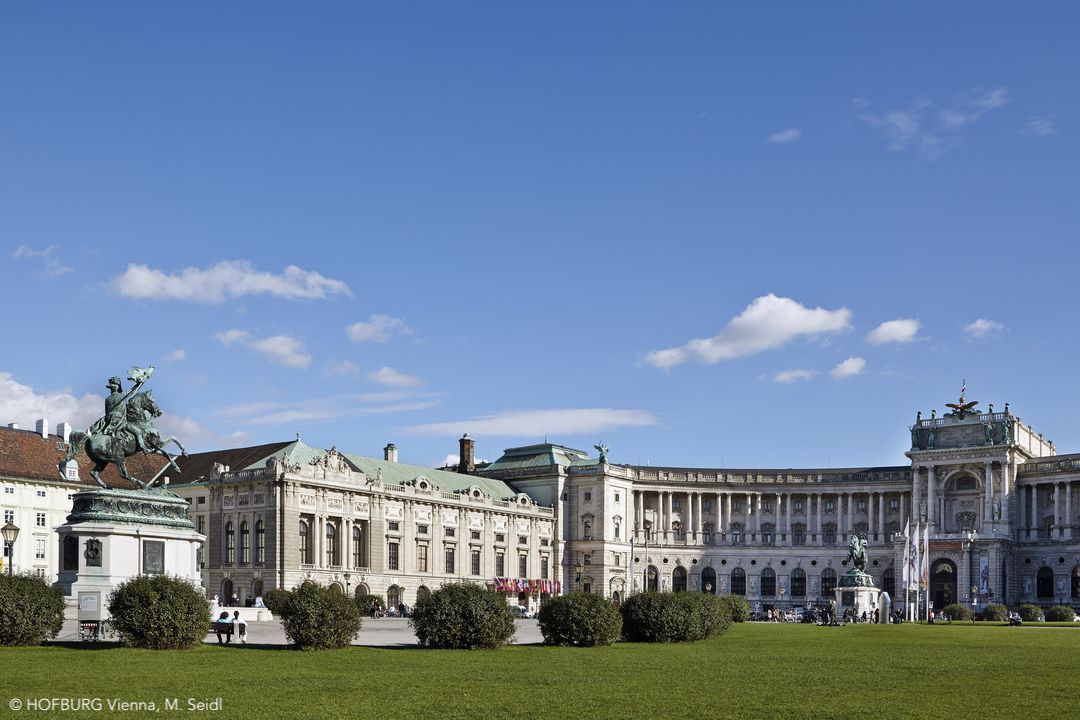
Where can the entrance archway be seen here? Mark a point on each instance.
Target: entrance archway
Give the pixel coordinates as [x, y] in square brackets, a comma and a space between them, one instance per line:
[226, 592]
[1044, 583]
[942, 583]
[652, 579]
[708, 581]
[393, 597]
[678, 579]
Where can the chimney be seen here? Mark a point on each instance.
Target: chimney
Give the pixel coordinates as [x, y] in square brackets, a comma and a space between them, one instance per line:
[63, 430]
[13, 426]
[41, 427]
[466, 463]
[390, 452]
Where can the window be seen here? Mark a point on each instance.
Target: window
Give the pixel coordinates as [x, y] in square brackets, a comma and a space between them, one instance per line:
[706, 533]
[245, 542]
[828, 534]
[676, 504]
[305, 543]
[862, 505]
[588, 496]
[9, 516]
[474, 562]
[768, 534]
[422, 529]
[618, 528]
[500, 537]
[393, 561]
[9, 490]
[523, 565]
[738, 581]
[767, 506]
[449, 557]
[200, 501]
[230, 542]
[475, 536]
[828, 582]
[544, 567]
[768, 582]
[736, 506]
[41, 493]
[544, 542]
[617, 497]
[332, 557]
[523, 539]
[706, 504]
[894, 504]
[39, 549]
[798, 534]
[421, 558]
[448, 532]
[260, 541]
[586, 558]
[200, 524]
[40, 572]
[797, 505]
[830, 505]
[357, 547]
[393, 526]
[500, 564]
[39, 519]
[798, 583]
[736, 535]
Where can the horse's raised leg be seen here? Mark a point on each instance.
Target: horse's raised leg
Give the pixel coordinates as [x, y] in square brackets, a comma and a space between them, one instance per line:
[95, 473]
[171, 439]
[124, 474]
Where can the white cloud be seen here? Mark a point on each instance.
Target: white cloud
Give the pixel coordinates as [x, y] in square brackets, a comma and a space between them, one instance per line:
[344, 368]
[23, 405]
[282, 349]
[196, 436]
[894, 331]
[785, 136]
[53, 267]
[767, 323]
[313, 410]
[983, 328]
[378, 328]
[929, 134]
[969, 107]
[849, 368]
[790, 376]
[453, 459]
[224, 280]
[176, 355]
[1040, 126]
[390, 376]
[536, 423]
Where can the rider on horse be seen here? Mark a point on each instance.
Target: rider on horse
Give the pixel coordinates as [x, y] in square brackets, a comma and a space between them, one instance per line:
[118, 415]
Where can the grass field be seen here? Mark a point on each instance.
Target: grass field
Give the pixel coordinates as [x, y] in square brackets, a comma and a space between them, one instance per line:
[755, 671]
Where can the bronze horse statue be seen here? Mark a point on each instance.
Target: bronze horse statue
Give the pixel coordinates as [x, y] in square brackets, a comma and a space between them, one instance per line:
[105, 448]
[857, 552]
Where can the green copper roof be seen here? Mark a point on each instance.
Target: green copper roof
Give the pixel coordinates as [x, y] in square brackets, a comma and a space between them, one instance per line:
[297, 452]
[539, 456]
[395, 473]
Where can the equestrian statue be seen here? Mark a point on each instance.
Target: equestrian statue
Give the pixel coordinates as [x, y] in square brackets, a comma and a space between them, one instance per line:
[857, 552]
[124, 431]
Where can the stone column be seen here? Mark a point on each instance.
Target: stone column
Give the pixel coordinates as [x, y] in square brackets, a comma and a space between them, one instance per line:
[757, 515]
[1033, 529]
[1021, 530]
[881, 518]
[721, 525]
[819, 497]
[988, 509]
[931, 499]
[639, 512]
[787, 519]
[667, 514]
[700, 519]
[850, 513]
[1068, 511]
[1057, 511]
[903, 511]
[916, 495]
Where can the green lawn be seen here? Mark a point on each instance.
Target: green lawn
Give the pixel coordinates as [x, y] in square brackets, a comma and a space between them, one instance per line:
[755, 671]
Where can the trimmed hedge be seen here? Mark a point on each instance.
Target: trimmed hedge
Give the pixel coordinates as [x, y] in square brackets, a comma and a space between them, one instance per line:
[31, 612]
[159, 612]
[582, 619]
[275, 599]
[957, 611]
[997, 613]
[1060, 613]
[674, 617]
[315, 617]
[1030, 613]
[463, 616]
[738, 606]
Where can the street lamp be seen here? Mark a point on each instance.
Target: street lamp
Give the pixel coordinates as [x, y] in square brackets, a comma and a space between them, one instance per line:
[348, 589]
[577, 571]
[781, 591]
[974, 602]
[651, 578]
[10, 533]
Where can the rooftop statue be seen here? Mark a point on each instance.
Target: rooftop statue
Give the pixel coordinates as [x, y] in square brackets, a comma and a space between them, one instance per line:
[126, 429]
[603, 450]
[963, 407]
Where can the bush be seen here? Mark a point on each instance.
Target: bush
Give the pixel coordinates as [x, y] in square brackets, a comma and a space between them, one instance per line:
[463, 616]
[738, 607]
[159, 612]
[957, 611]
[1030, 613]
[674, 617]
[315, 617]
[364, 600]
[996, 613]
[583, 619]
[30, 611]
[275, 599]
[1060, 613]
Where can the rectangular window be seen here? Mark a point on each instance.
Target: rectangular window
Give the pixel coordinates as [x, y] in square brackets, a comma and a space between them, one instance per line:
[544, 567]
[523, 539]
[393, 562]
[422, 529]
[500, 564]
[200, 524]
[393, 526]
[41, 493]
[523, 566]
[767, 506]
[586, 558]
[421, 558]
[829, 505]
[474, 562]
[736, 506]
[617, 528]
[588, 496]
[448, 532]
[475, 534]
[862, 504]
[449, 561]
[798, 506]
[200, 501]
[618, 497]
[40, 519]
[544, 542]
[736, 536]
[9, 516]
[706, 504]
[500, 537]
[39, 549]
[9, 490]
[676, 504]
[894, 504]
[40, 572]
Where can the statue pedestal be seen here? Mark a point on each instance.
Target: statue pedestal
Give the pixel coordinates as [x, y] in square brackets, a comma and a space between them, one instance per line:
[856, 590]
[113, 535]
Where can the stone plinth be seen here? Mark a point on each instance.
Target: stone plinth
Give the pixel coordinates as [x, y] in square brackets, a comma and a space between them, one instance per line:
[856, 590]
[113, 535]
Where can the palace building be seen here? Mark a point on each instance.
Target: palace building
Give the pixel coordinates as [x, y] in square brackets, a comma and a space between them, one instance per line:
[994, 495]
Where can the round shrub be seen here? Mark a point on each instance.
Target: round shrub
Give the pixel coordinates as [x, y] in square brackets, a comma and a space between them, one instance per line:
[673, 617]
[957, 611]
[159, 612]
[738, 607]
[275, 599]
[1030, 613]
[463, 616]
[1060, 613]
[996, 613]
[316, 617]
[30, 611]
[583, 619]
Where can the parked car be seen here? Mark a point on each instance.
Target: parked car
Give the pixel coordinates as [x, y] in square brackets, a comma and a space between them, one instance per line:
[522, 612]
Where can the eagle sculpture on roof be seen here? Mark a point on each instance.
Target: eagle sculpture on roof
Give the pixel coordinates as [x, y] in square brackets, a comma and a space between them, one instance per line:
[962, 407]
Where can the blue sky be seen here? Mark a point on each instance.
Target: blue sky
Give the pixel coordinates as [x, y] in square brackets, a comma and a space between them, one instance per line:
[705, 234]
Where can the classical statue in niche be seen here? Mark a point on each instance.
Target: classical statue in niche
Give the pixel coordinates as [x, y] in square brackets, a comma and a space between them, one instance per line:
[996, 506]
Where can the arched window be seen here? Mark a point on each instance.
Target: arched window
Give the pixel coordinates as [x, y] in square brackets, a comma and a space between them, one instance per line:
[260, 541]
[245, 542]
[738, 581]
[736, 534]
[708, 581]
[798, 534]
[357, 547]
[331, 545]
[226, 593]
[678, 579]
[393, 597]
[828, 582]
[230, 542]
[768, 534]
[828, 533]
[1044, 583]
[798, 583]
[889, 583]
[305, 543]
[768, 582]
[422, 593]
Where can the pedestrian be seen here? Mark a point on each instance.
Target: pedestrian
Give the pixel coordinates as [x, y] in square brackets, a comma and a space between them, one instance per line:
[241, 627]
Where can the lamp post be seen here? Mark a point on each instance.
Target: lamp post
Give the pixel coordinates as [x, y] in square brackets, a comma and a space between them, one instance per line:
[781, 591]
[974, 602]
[650, 575]
[348, 589]
[10, 533]
[577, 572]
